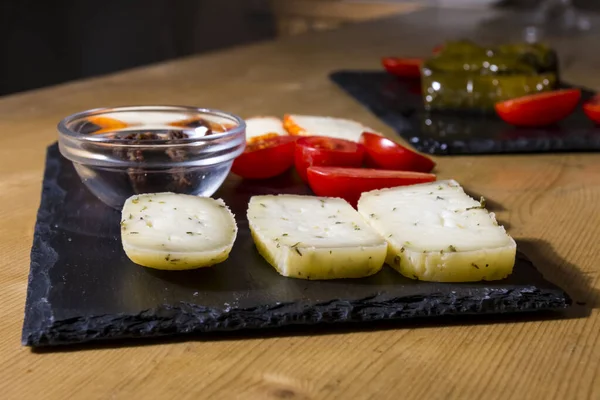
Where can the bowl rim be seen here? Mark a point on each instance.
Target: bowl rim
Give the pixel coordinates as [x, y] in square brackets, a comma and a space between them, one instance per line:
[65, 130]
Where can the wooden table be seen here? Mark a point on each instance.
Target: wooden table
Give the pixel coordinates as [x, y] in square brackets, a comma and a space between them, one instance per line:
[550, 203]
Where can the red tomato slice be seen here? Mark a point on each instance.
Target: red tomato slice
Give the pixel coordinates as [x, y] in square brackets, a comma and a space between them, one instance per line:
[403, 67]
[592, 109]
[381, 152]
[265, 157]
[326, 151]
[349, 183]
[539, 109]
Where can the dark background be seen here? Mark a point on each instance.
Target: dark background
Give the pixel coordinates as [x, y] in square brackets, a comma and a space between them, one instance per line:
[45, 42]
[49, 42]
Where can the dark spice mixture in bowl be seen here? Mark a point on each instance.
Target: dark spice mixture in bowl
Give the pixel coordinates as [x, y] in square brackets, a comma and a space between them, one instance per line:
[119, 152]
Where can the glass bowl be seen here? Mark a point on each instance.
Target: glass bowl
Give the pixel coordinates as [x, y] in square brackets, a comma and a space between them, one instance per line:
[119, 152]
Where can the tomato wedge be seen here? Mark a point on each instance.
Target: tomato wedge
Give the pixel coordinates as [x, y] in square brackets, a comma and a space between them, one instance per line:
[403, 67]
[592, 109]
[383, 153]
[539, 109]
[265, 157]
[326, 151]
[350, 183]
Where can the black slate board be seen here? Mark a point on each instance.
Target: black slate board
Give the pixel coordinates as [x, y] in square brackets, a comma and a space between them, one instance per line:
[399, 104]
[83, 288]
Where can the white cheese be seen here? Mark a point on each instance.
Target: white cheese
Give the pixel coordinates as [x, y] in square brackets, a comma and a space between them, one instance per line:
[176, 231]
[436, 232]
[311, 237]
[339, 128]
[259, 126]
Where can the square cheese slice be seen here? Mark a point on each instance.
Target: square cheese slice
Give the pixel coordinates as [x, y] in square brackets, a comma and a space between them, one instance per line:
[260, 126]
[313, 125]
[176, 231]
[312, 237]
[436, 232]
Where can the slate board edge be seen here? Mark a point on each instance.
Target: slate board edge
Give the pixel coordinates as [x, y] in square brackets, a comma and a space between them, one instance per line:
[448, 148]
[43, 257]
[190, 318]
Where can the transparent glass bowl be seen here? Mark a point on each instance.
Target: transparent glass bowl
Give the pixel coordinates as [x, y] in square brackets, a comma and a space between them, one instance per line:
[119, 152]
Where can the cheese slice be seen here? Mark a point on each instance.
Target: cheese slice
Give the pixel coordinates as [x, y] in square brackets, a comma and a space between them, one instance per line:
[436, 232]
[311, 237]
[308, 125]
[260, 126]
[176, 231]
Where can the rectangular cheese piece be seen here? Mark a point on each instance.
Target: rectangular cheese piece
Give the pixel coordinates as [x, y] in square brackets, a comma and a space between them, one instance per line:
[176, 231]
[312, 237]
[436, 232]
[260, 126]
[311, 125]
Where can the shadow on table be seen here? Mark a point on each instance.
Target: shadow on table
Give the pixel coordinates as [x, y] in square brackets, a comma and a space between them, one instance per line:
[574, 281]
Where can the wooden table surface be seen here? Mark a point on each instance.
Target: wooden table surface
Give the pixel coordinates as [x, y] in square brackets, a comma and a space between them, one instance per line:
[550, 204]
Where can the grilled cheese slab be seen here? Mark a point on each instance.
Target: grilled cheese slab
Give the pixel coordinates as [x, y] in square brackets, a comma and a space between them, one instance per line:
[311, 237]
[436, 232]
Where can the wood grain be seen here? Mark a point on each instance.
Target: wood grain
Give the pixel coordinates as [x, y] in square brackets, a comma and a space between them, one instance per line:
[549, 202]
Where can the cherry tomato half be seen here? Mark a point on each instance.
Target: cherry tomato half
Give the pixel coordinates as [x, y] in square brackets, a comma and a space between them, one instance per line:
[350, 183]
[326, 151]
[265, 157]
[539, 109]
[381, 152]
[592, 109]
[403, 67]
